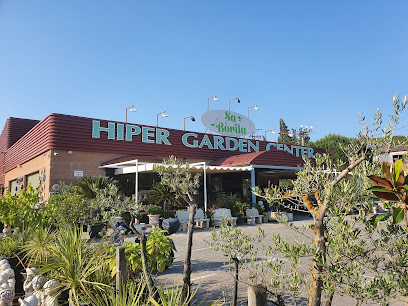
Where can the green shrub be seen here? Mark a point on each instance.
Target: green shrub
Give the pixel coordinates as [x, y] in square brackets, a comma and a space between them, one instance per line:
[154, 210]
[66, 206]
[234, 204]
[159, 253]
[20, 211]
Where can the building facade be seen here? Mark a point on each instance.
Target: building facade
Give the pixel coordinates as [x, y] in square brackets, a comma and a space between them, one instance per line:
[64, 148]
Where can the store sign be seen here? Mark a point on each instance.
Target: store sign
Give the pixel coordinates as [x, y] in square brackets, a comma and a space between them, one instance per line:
[227, 123]
[156, 135]
[78, 173]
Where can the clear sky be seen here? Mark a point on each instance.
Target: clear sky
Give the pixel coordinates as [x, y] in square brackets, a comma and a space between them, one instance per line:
[309, 62]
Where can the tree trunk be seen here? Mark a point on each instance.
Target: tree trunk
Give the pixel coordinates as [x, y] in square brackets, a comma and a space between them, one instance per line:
[185, 292]
[316, 285]
[145, 267]
[329, 299]
[235, 292]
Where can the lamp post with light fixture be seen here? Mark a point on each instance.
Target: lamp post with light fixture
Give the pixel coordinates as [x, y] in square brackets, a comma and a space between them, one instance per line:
[272, 131]
[215, 98]
[192, 119]
[229, 102]
[303, 133]
[164, 114]
[132, 109]
[255, 107]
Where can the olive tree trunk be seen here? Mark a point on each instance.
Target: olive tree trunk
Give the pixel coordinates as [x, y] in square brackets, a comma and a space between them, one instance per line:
[319, 212]
[185, 292]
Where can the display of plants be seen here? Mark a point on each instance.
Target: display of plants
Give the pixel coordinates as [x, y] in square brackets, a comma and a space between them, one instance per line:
[162, 194]
[154, 210]
[20, 211]
[91, 186]
[66, 206]
[79, 267]
[234, 204]
[159, 254]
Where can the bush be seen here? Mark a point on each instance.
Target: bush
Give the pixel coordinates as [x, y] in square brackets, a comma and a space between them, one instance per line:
[235, 205]
[67, 206]
[19, 211]
[154, 210]
[159, 254]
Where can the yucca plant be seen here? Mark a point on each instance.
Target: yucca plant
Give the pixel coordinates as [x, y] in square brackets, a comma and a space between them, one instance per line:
[132, 295]
[38, 247]
[74, 263]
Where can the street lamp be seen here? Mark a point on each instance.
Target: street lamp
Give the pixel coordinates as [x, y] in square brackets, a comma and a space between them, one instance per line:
[303, 132]
[164, 114]
[253, 134]
[192, 119]
[215, 98]
[132, 109]
[229, 101]
[255, 107]
[272, 131]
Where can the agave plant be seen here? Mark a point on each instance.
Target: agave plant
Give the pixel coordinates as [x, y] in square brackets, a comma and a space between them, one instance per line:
[393, 187]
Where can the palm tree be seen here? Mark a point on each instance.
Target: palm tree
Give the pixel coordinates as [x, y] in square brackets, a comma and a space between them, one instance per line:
[163, 194]
[90, 186]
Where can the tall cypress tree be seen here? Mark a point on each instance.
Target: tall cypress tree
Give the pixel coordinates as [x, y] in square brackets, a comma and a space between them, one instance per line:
[284, 133]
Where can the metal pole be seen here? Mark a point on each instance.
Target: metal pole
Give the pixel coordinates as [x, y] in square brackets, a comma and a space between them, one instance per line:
[137, 183]
[253, 185]
[205, 188]
[126, 115]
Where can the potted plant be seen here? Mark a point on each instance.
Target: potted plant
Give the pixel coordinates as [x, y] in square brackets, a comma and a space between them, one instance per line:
[154, 212]
[276, 214]
[240, 207]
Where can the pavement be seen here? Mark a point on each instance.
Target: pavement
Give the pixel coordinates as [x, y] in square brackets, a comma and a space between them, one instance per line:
[211, 274]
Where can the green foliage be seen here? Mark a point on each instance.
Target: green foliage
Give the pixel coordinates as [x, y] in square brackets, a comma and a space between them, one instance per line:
[284, 133]
[107, 205]
[132, 295]
[172, 297]
[179, 177]
[77, 265]
[12, 245]
[335, 146]
[233, 242]
[234, 204]
[38, 247]
[66, 206]
[154, 210]
[91, 186]
[18, 211]
[164, 195]
[159, 253]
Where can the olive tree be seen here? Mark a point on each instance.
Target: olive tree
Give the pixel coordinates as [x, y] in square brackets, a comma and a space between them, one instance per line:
[337, 261]
[179, 177]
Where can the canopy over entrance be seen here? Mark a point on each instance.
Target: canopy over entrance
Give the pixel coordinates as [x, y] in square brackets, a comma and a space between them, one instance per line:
[135, 166]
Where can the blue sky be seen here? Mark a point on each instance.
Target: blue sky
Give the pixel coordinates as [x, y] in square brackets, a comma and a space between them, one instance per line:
[314, 63]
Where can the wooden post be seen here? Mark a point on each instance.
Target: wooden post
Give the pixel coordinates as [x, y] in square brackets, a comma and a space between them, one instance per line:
[121, 271]
[257, 295]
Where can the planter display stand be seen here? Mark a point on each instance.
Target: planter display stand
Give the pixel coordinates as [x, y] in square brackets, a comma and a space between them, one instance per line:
[154, 220]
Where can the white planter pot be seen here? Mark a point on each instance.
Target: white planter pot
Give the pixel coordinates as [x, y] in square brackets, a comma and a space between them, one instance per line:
[154, 220]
